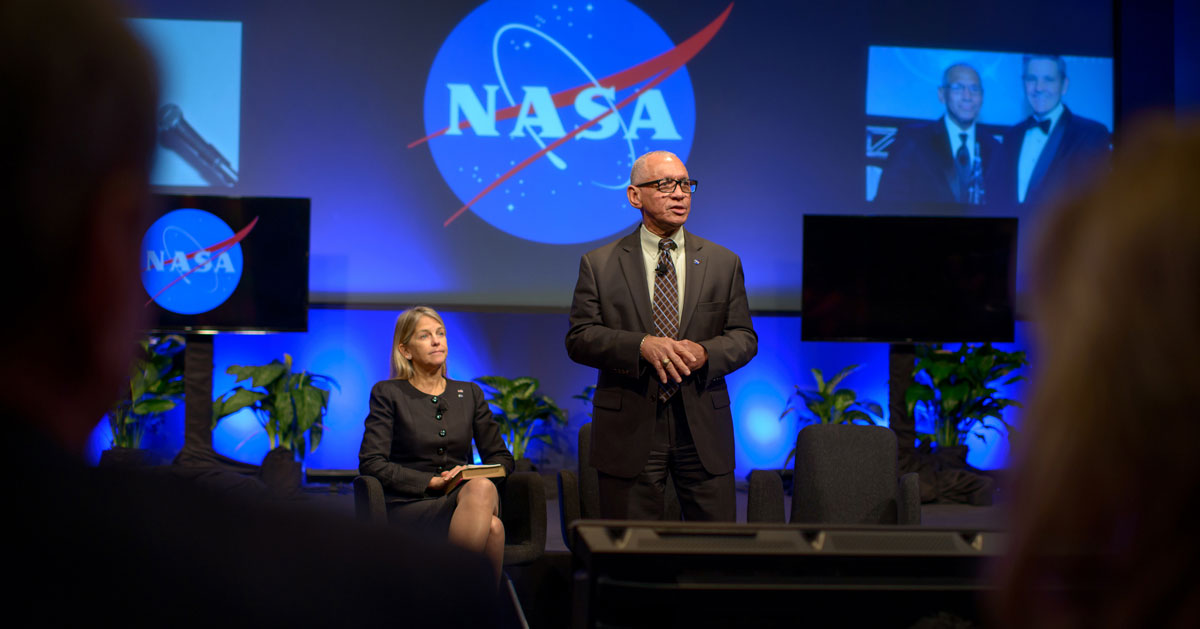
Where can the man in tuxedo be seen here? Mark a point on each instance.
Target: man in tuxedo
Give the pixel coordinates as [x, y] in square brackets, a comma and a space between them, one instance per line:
[662, 314]
[1054, 145]
[948, 160]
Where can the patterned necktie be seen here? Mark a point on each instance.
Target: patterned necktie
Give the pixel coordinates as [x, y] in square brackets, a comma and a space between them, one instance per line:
[963, 159]
[666, 308]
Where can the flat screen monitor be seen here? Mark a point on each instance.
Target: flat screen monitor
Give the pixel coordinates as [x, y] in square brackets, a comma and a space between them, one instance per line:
[903, 279]
[226, 264]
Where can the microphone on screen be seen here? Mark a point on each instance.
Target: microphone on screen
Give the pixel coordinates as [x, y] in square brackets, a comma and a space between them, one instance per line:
[661, 270]
[175, 133]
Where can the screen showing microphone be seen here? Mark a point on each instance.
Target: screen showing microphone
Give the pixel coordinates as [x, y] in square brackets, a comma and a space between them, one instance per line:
[201, 65]
[175, 133]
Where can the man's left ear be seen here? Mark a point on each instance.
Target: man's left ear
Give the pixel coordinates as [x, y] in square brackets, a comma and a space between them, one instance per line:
[635, 196]
[1066, 85]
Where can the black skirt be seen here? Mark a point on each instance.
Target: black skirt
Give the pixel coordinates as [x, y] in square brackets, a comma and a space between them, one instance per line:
[430, 514]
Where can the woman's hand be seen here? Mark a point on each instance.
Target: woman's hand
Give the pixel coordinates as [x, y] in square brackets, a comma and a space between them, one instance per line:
[438, 483]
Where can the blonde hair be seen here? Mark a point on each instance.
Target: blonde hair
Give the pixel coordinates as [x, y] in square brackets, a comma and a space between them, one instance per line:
[406, 326]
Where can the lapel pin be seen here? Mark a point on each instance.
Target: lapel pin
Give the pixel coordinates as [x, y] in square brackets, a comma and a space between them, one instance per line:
[696, 261]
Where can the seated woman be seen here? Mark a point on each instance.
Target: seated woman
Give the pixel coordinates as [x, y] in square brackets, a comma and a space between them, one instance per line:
[418, 435]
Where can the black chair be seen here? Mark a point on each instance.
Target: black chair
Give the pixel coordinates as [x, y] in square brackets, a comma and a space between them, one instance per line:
[522, 509]
[579, 491]
[844, 474]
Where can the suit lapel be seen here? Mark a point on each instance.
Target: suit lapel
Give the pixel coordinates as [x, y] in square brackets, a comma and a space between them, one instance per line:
[1048, 153]
[696, 263]
[634, 269]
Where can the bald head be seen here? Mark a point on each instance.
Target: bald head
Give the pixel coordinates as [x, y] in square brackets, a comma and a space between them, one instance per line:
[638, 174]
[962, 94]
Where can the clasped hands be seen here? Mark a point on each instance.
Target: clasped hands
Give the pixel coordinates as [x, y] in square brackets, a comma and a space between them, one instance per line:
[671, 358]
[438, 483]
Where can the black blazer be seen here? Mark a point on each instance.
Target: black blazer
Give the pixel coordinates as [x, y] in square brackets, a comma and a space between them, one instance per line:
[1076, 145]
[405, 442]
[611, 313]
[920, 166]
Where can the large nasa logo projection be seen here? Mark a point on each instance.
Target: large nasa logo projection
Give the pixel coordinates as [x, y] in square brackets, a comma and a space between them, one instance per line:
[534, 113]
[192, 261]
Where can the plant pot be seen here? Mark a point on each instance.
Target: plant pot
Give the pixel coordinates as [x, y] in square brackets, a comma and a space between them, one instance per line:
[282, 473]
[524, 465]
[127, 458]
[951, 457]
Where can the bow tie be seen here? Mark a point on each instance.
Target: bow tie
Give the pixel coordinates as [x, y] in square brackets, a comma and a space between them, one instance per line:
[1044, 125]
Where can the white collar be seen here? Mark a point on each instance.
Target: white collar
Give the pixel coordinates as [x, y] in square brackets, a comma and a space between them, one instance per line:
[1053, 116]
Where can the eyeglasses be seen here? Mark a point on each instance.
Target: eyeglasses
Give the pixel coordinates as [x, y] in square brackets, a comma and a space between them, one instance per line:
[973, 88]
[668, 185]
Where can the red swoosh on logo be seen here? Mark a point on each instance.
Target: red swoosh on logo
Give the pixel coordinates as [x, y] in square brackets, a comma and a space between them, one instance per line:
[659, 68]
[218, 249]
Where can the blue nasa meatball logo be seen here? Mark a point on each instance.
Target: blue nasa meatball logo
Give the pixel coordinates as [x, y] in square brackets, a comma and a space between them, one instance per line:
[534, 113]
[192, 261]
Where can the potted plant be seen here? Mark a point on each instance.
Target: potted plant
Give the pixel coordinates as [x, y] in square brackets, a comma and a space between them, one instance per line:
[155, 387]
[520, 410]
[957, 390]
[290, 406]
[828, 404]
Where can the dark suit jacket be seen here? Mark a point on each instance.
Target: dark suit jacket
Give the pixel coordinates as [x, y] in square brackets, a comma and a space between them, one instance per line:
[921, 169]
[1076, 144]
[611, 313]
[403, 445]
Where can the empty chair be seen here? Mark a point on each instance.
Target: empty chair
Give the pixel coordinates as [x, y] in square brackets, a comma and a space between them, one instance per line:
[843, 474]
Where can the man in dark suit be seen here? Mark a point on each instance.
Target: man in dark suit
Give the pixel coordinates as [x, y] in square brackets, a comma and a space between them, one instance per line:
[1053, 146]
[949, 160]
[662, 313]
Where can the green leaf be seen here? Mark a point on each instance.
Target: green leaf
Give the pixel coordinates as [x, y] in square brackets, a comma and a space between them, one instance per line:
[234, 401]
[261, 375]
[856, 415]
[819, 378]
[153, 406]
[842, 376]
[918, 393]
[842, 400]
[940, 371]
[315, 431]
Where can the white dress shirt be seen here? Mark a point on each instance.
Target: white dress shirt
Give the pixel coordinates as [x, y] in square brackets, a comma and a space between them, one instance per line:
[1031, 150]
[955, 133]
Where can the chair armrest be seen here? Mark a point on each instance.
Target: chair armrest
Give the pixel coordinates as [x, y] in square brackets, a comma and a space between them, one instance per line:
[765, 500]
[568, 502]
[523, 511]
[369, 503]
[908, 504]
